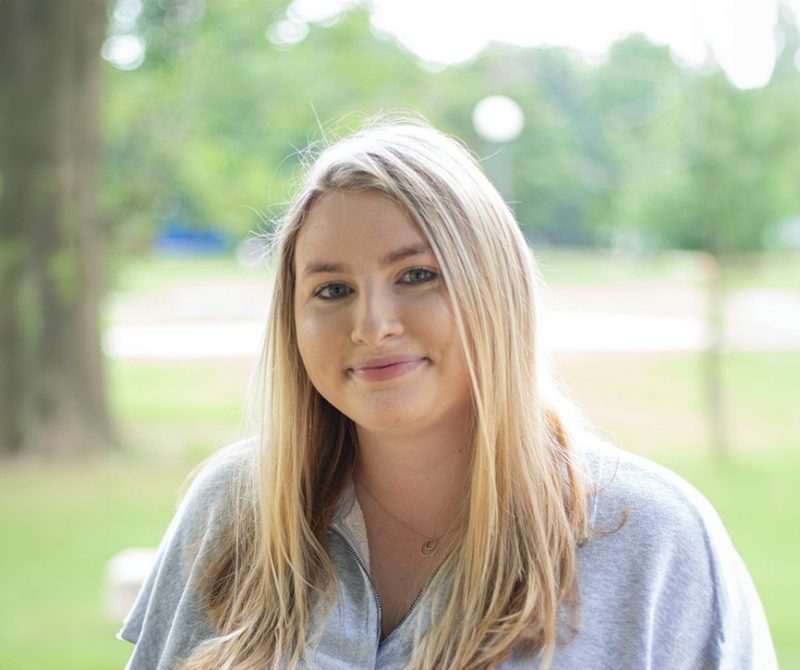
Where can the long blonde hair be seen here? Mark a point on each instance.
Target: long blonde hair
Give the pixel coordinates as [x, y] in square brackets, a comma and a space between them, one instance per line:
[505, 582]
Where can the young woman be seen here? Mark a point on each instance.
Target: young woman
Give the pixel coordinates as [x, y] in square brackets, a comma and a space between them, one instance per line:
[420, 496]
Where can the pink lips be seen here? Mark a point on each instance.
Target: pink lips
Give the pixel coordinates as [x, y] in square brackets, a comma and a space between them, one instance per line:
[388, 367]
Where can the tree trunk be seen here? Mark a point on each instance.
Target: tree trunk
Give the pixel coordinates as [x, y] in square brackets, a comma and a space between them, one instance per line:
[52, 391]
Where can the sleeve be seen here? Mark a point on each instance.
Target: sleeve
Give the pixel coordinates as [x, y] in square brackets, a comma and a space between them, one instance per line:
[704, 599]
[743, 638]
[167, 620]
[662, 584]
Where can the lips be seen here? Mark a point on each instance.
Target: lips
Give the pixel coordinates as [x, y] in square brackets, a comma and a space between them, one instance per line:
[386, 367]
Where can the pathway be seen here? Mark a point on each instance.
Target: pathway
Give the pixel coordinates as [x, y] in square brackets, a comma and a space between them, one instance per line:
[226, 320]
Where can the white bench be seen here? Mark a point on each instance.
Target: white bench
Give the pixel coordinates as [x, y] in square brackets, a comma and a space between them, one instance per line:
[125, 574]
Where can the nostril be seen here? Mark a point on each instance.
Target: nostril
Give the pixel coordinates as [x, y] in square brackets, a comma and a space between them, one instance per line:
[376, 320]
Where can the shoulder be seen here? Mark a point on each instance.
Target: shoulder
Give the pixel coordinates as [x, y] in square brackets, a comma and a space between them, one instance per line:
[205, 507]
[216, 480]
[654, 521]
[167, 619]
[653, 500]
[222, 469]
[660, 566]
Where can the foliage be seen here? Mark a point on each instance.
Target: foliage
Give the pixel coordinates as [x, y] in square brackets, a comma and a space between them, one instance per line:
[636, 150]
[211, 133]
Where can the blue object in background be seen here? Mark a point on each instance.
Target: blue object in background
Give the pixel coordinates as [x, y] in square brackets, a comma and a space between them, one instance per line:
[179, 239]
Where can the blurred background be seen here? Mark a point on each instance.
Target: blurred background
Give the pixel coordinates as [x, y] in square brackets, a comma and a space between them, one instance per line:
[651, 152]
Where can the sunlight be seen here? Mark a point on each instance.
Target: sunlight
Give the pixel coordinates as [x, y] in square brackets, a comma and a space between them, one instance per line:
[739, 34]
[125, 52]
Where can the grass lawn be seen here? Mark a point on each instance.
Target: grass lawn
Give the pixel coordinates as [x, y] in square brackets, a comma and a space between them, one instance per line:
[60, 523]
[583, 267]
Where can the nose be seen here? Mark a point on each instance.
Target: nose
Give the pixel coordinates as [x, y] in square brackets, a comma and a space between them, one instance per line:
[376, 317]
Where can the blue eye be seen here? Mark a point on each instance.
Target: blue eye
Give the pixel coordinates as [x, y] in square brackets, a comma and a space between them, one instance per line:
[332, 291]
[418, 276]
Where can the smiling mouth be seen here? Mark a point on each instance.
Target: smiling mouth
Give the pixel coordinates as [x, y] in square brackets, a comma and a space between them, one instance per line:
[381, 371]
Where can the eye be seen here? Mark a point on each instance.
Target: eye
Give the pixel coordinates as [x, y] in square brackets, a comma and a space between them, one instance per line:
[418, 276]
[332, 291]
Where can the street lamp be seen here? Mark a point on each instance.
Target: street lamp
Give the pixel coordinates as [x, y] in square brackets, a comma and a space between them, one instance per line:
[499, 120]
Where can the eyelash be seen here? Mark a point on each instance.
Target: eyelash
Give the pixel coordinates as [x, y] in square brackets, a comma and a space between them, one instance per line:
[429, 275]
[319, 293]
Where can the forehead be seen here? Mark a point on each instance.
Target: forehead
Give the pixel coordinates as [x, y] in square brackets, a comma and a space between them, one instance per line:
[353, 225]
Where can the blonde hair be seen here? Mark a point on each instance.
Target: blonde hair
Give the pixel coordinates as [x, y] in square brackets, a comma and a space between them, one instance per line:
[503, 584]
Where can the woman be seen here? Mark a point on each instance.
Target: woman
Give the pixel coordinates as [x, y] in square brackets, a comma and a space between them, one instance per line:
[419, 496]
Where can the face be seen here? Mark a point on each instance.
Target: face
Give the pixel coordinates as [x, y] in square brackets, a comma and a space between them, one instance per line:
[375, 327]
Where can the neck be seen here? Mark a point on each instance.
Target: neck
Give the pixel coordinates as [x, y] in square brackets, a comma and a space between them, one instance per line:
[421, 479]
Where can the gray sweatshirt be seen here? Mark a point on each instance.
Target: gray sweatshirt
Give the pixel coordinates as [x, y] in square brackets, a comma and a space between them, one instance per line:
[667, 591]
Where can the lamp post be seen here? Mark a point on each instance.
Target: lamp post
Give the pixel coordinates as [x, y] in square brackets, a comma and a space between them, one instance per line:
[499, 120]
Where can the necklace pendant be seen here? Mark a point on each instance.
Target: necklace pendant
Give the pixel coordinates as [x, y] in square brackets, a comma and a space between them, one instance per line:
[429, 547]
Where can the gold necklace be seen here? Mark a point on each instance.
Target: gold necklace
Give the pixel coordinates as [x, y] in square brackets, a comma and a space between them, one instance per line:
[430, 545]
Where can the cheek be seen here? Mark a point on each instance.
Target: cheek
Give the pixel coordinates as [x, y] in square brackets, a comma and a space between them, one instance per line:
[437, 321]
[317, 342]
[441, 323]
[308, 338]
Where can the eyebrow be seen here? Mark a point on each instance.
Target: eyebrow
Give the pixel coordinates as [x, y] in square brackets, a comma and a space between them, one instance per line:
[390, 258]
[405, 252]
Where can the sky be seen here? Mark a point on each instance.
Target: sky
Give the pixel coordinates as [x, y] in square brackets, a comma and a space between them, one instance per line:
[739, 32]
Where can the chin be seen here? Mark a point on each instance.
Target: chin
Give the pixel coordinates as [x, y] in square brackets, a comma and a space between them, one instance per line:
[390, 423]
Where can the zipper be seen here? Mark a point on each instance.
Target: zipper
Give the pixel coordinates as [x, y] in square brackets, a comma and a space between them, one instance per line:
[416, 600]
[364, 569]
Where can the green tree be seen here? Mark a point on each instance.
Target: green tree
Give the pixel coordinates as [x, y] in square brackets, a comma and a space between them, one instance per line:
[638, 102]
[212, 117]
[52, 397]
